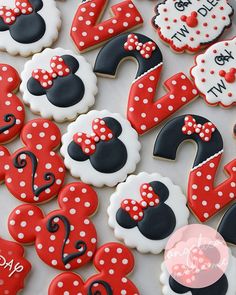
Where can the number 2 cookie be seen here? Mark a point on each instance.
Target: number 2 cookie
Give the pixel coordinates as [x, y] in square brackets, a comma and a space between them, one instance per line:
[14, 268]
[65, 238]
[27, 26]
[214, 73]
[101, 148]
[189, 25]
[145, 210]
[58, 84]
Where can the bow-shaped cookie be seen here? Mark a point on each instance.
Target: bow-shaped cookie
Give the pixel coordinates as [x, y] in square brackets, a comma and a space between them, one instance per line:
[58, 68]
[134, 208]
[145, 49]
[205, 131]
[9, 15]
[88, 142]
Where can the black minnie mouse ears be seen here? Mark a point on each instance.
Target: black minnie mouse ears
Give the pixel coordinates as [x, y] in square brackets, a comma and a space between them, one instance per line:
[37, 4]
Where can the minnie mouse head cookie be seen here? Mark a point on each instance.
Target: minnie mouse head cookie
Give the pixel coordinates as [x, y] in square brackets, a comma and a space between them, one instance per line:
[145, 210]
[14, 268]
[27, 26]
[58, 84]
[65, 238]
[34, 173]
[113, 262]
[188, 25]
[101, 148]
[12, 113]
[214, 73]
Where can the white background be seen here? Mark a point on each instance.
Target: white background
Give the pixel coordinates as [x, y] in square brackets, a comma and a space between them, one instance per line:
[113, 95]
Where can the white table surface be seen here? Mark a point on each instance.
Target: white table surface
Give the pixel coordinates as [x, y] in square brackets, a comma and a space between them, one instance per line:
[113, 95]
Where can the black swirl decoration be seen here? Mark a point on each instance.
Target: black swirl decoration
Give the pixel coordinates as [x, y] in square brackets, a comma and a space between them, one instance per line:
[81, 246]
[8, 118]
[20, 163]
[104, 284]
[181, 5]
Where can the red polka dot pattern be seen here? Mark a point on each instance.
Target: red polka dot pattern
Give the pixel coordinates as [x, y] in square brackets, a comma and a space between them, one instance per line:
[145, 49]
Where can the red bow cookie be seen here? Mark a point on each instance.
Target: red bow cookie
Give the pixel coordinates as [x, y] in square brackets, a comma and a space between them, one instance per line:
[13, 267]
[34, 173]
[58, 69]
[88, 142]
[9, 15]
[229, 76]
[145, 49]
[114, 262]
[134, 208]
[12, 113]
[65, 238]
[205, 131]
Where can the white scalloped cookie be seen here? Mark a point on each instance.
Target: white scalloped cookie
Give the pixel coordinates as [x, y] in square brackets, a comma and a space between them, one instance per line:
[214, 73]
[28, 26]
[58, 84]
[145, 210]
[226, 285]
[189, 25]
[101, 148]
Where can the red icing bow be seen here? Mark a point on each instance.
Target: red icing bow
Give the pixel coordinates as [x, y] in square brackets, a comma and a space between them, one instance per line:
[145, 49]
[229, 76]
[191, 20]
[88, 142]
[9, 15]
[134, 208]
[58, 68]
[205, 131]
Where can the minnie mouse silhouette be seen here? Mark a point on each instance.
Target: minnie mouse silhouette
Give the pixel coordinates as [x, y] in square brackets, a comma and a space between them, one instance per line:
[101, 148]
[63, 87]
[23, 21]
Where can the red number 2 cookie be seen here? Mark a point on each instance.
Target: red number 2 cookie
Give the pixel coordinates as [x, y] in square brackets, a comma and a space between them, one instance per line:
[65, 238]
[13, 267]
[114, 262]
[12, 112]
[87, 32]
[34, 173]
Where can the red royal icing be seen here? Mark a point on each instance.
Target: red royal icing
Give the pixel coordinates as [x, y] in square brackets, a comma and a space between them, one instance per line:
[113, 262]
[34, 173]
[65, 238]
[204, 198]
[87, 32]
[12, 112]
[13, 267]
[229, 76]
[145, 49]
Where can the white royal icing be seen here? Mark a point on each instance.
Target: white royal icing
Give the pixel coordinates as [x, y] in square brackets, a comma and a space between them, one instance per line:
[41, 104]
[220, 56]
[52, 17]
[177, 32]
[131, 189]
[84, 170]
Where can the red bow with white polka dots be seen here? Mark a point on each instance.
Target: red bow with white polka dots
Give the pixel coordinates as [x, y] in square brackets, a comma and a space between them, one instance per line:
[88, 142]
[134, 208]
[58, 68]
[145, 49]
[205, 131]
[9, 15]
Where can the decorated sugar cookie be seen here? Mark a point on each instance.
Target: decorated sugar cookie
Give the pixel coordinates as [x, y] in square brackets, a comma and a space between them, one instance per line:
[58, 84]
[114, 262]
[65, 238]
[227, 225]
[88, 31]
[205, 198]
[144, 111]
[34, 173]
[188, 25]
[145, 210]
[101, 148]
[14, 268]
[27, 26]
[226, 285]
[214, 73]
[12, 113]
